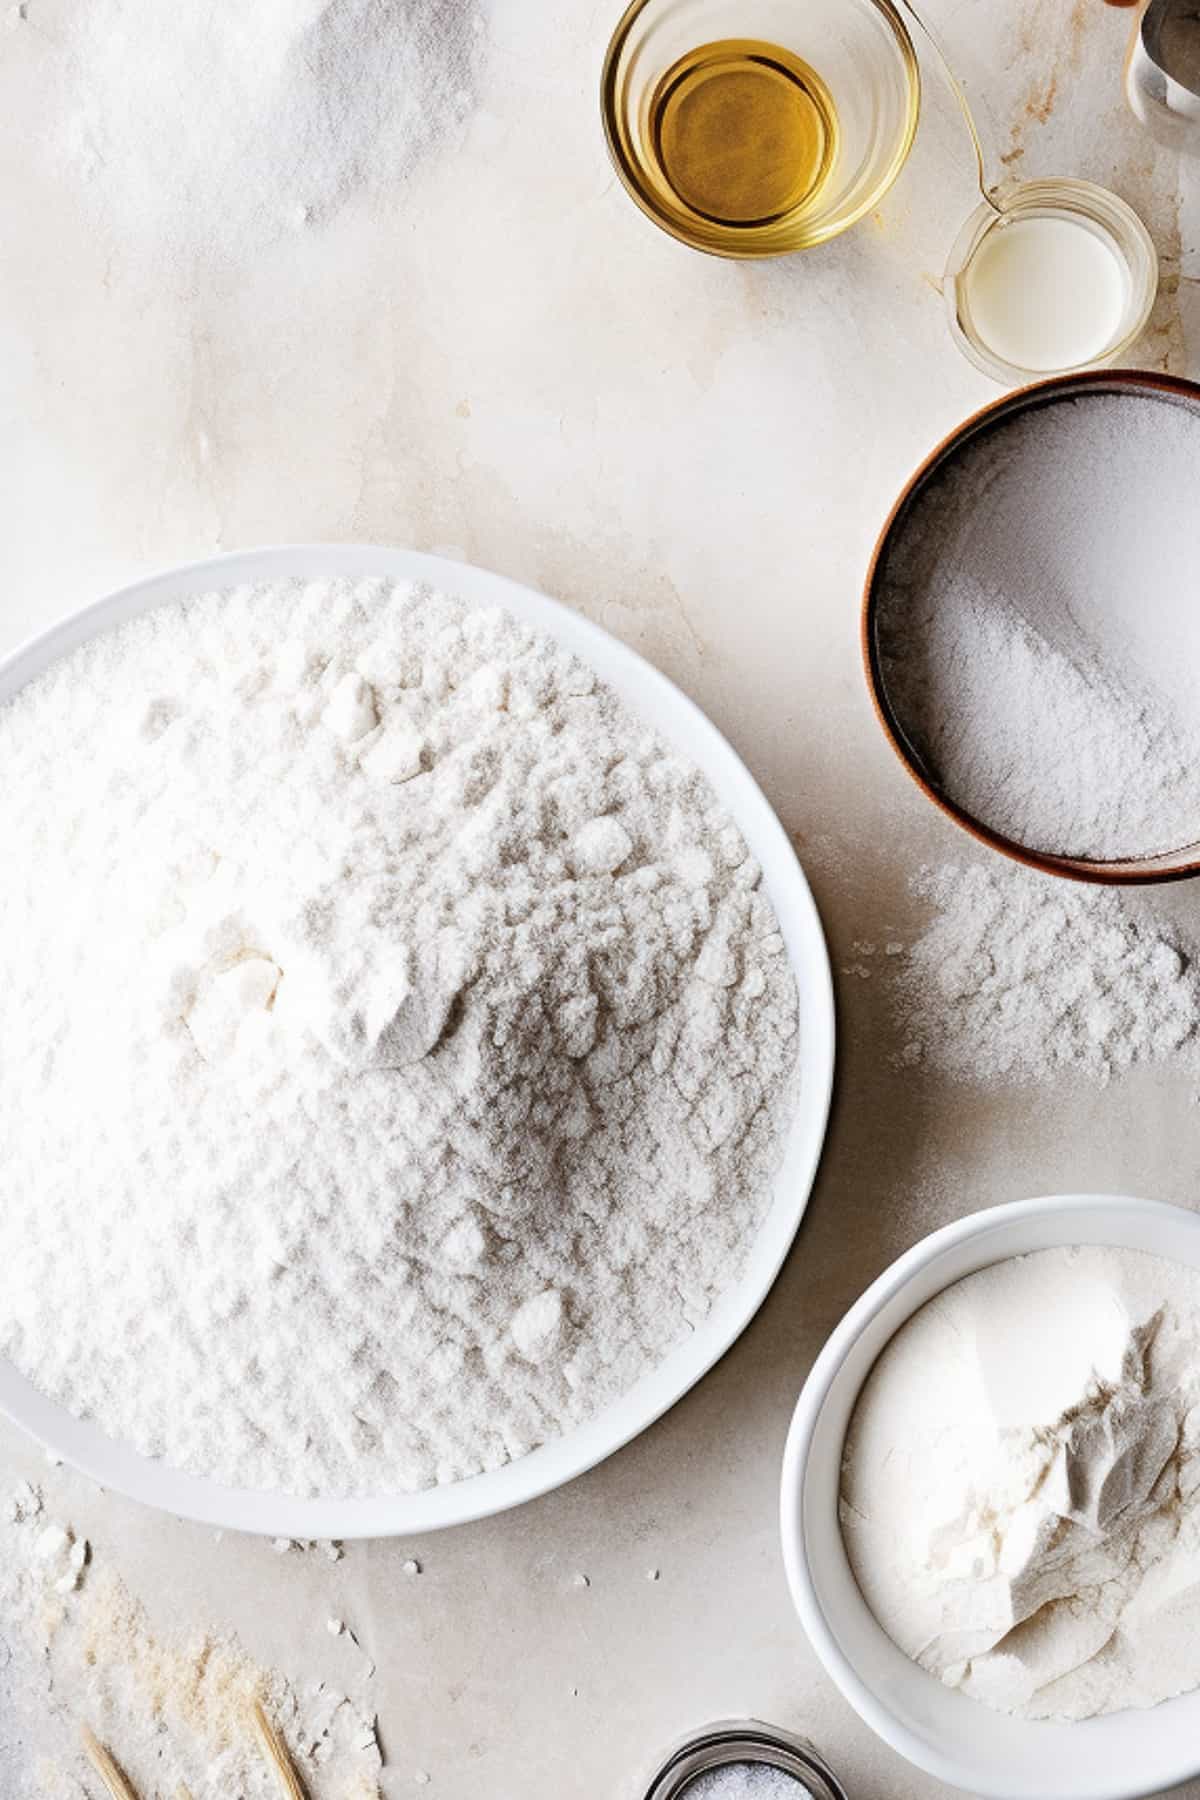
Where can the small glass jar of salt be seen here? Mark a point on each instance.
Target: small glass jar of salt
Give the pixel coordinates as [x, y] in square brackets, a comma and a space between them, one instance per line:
[743, 1759]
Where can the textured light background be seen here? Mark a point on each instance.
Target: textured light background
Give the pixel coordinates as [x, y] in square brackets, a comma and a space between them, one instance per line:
[509, 363]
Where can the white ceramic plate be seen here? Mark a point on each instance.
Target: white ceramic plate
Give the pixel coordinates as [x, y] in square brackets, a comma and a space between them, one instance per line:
[662, 705]
[950, 1736]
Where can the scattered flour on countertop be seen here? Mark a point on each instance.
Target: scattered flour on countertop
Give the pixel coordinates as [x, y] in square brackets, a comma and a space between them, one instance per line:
[1021, 1483]
[206, 133]
[175, 1712]
[746, 1781]
[330, 1548]
[397, 1043]
[1038, 628]
[1023, 977]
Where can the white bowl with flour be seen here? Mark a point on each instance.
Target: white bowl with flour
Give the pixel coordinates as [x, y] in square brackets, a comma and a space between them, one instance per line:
[951, 1736]
[276, 1511]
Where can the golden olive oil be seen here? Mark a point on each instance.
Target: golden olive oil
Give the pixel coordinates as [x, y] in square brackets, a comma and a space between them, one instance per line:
[743, 133]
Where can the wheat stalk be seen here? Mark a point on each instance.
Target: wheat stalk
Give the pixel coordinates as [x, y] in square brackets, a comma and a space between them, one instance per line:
[114, 1779]
[120, 1788]
[276, 1753]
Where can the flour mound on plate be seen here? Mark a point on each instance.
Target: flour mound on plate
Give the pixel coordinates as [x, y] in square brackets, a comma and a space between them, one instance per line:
[397, 1045]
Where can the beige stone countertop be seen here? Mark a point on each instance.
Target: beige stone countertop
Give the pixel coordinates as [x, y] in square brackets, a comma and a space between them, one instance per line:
[508, 363]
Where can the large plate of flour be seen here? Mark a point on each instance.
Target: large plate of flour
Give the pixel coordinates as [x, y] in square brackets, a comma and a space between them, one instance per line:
[686, 730]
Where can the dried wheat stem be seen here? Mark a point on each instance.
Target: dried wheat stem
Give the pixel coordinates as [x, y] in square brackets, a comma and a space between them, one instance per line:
[114, 1779]
[276, 1752]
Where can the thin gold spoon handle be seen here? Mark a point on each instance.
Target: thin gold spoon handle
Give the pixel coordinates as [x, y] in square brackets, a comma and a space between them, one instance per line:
[964, 105]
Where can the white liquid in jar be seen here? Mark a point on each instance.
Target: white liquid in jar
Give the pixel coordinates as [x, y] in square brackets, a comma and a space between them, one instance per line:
[1045, 293]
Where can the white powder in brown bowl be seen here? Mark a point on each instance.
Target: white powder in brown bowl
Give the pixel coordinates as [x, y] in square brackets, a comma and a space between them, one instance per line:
[1039, 627]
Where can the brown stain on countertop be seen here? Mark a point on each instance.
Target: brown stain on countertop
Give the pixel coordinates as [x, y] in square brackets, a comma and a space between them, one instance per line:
[1164, 346]
[1039, 103]
[1032, 33]
[1061, 58]
[1076, 26]
[1035, 110]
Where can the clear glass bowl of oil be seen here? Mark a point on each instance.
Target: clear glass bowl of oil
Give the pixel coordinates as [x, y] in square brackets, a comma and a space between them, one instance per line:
[758, 127]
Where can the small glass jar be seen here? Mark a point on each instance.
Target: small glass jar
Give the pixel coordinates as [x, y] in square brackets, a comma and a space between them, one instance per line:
[1078, 203]
[729, 1742]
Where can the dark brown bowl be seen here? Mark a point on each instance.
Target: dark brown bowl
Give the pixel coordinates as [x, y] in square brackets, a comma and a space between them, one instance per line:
[1175, 866]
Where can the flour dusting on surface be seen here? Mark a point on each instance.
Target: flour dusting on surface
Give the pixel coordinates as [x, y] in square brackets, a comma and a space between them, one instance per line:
[206, 134]
[1023, 977]
[175, 1711]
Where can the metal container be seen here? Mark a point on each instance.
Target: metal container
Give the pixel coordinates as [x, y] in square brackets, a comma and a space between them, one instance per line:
[1162, 73]
[732, 1741]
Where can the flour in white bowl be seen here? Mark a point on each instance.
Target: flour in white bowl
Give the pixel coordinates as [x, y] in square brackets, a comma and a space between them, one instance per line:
[1020, 1497]
[397, 1044]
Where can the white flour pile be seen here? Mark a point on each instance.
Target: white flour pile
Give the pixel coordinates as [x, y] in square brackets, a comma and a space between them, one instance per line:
[1024, 977]
[396, 1045]
[746, 1781]
[204, 133]
[1039, 628]
[1021, 1484]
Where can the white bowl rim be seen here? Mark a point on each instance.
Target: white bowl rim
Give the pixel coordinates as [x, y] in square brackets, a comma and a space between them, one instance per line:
[276, 1513]
[874, 1712]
